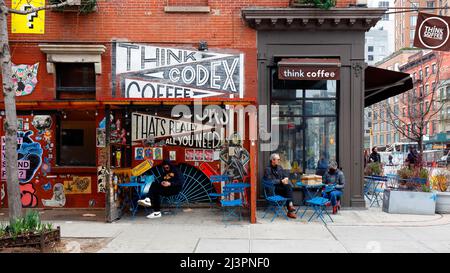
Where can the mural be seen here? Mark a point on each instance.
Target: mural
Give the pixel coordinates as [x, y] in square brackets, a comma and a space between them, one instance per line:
[159, 72]
[58, 198]
[24, 78]
[101, 179]
[28, 195]
[235, 157]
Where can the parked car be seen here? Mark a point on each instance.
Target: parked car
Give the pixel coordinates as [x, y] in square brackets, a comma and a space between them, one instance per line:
[444, 161]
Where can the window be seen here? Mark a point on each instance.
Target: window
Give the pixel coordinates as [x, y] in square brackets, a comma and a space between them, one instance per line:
[447, 88]
[411, 35]
[427, 90]
[433, 86]
[381, 139]
[433, 69]
[75, 80]
[76, 138]
[427, 71]
[404, 112]
[434, 127]
[420, 74]
[430, 4]
[388, 138]
[370, 48]
[414, 76]
[375, 140]
[384, 4]
[370, 57]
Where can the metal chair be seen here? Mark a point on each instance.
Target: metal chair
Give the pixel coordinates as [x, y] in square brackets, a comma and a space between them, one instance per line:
[376, 189]
[146, 181]
[319, 205]
[232, 207]
[392, 181]
[217, 179]
[275, 202]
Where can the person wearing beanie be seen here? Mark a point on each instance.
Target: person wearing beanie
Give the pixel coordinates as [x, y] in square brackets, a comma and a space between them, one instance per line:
[335, 181]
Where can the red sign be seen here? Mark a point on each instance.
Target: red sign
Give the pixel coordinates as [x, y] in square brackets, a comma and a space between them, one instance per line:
[432, 32]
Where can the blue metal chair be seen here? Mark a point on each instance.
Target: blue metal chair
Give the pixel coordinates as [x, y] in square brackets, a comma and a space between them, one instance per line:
[319, 205]
[275, 202]
[217, 179]
[392, 181]
[232, 207]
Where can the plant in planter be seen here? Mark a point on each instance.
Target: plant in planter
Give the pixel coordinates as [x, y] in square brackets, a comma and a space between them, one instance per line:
[322, 4]
[374, 168]
[440, 183]
[81, 6]
[28, 231]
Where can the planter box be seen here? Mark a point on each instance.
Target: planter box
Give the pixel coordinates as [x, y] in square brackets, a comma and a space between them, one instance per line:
[32, 240]
[409, 202]
[443, 202]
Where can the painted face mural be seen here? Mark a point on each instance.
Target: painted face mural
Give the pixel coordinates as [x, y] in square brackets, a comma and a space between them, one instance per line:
[41, 122]
[24, 78]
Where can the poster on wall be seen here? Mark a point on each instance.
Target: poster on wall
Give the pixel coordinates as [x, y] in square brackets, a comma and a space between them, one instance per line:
[198, 155]
[172, 155]
[78, 185]
[101, 179]
[146, 71]
[24, 78]
[148, 153]
[158, 153]
[189, 155]
[139, 153]
[208, 155]
[101, 138]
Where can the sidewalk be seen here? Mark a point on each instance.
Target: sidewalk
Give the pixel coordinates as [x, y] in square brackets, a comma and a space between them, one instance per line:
[202, 231]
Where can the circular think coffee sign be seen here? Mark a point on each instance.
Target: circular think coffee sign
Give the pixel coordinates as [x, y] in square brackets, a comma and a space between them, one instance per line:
[434, 32]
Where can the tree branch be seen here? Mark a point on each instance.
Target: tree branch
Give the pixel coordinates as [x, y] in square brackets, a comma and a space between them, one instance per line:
[24, 12]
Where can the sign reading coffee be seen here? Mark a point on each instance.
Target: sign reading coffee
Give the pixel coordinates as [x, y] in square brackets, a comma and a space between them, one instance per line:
[432, 32]
[308, 69]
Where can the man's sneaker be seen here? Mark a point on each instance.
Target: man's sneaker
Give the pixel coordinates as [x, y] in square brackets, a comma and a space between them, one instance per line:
[155, 214]
[145, 202]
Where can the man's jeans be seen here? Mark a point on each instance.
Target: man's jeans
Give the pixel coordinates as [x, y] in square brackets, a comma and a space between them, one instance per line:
[285, 191]
[333, 196]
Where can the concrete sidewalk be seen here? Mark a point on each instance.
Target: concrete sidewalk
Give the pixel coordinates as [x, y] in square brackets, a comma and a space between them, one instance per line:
[202, 231]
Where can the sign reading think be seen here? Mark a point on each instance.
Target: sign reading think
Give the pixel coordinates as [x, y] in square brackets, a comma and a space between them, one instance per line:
[432, 32]
[308, 73]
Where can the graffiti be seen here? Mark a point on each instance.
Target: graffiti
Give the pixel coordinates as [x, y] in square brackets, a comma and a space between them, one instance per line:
[47, 186]
[160, 72]
[208, 170]
[27, 195]
[30, 151]
[24, 78]
[101, 179]
[118, 134]
[42, 122]
[139, 153]
[78, 185]
[58, 198]
[235, 158]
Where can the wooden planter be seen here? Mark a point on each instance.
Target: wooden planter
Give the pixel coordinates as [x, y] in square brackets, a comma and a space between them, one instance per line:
[32, 240]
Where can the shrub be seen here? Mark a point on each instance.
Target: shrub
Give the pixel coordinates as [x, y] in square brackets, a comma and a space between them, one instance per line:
[374, 168]
[30, 223]
[440, 181]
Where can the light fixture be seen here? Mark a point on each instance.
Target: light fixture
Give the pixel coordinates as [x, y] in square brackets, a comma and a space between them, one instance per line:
[203, 46]
[32, 114]
[96, 113]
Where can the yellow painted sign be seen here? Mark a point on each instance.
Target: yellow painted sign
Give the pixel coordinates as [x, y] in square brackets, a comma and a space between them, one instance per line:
[141, 168]
[29, 23]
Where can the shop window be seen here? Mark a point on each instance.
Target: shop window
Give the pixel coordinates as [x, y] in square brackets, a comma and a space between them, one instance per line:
[75, 81]
[76, 136]
[433, 69]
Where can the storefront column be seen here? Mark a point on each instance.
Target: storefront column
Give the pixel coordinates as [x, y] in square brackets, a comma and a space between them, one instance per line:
[253, 181]
[112, 212]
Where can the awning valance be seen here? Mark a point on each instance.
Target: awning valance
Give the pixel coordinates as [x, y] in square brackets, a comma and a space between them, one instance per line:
[381, 84]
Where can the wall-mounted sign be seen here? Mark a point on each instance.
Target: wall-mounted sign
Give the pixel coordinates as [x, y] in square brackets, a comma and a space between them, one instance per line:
[308, 69]
[432, 32]
[159, 72]
[29, 23]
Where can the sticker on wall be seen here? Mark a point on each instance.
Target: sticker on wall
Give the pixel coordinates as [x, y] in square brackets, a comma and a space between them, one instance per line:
[47, 186]
[58, 198]
[101, 179]
[101, 138]
[148, 153]
[48, 136]
[28, 196]
[33, 23]
[236, 158]
[198, 155]
[158, 153]
[78, 185]
[26, 126]
[172, 155]
[24, 78]
[189, 155]
[92, 202]
[42, 122]
[139, 153]
[20, 124]
[208, 155]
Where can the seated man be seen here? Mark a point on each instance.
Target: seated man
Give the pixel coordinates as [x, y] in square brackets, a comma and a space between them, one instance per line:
[172, 184]
[277, 175]
[335, 180]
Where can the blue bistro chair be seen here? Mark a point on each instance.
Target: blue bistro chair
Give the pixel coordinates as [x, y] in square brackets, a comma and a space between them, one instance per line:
[232, 207]
[319, 206]
[217, 179]
[275, 202]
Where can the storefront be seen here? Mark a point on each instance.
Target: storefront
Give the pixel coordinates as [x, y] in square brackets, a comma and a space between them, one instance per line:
[311, 66]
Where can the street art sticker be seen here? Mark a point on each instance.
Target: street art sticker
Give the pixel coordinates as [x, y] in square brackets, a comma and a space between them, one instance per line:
[139, 153]
[78, 185]
[160, 72]
[58, 198]
[28, 195]
[24, 78]
[42, 123]
[174, 132]
[101, 179]
[236, 158]
[2, 192]
[33, 23]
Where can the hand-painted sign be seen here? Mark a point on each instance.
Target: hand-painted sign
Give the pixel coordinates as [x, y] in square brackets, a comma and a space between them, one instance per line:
[432, 32]
[30, 23]
[159, 72]
[175, 132]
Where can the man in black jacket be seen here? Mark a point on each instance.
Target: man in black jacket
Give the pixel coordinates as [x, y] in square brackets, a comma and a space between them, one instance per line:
[278, 176]
[374, 156]
[172, 184]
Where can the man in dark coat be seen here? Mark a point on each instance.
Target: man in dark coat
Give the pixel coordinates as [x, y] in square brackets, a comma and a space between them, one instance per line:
[279, 178]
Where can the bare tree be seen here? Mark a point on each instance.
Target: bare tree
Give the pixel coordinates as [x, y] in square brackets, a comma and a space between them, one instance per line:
[12, 180]
[420, 105]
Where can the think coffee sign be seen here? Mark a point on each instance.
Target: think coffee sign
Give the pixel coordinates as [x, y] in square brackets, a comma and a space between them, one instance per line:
[432, 32]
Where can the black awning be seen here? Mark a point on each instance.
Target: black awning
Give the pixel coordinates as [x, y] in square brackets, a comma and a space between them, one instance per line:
[381, 84]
